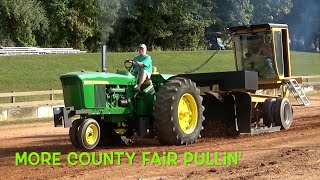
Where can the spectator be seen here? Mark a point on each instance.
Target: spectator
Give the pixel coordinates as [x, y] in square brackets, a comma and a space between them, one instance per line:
[312, 47]
[317, 44]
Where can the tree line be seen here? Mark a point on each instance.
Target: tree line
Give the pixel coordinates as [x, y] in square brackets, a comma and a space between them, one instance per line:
[122, 24]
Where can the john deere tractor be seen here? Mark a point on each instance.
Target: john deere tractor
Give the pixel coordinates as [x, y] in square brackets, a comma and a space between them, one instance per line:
[102, 108]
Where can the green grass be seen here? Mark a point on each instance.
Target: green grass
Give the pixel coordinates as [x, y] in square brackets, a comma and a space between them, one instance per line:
[41, 72]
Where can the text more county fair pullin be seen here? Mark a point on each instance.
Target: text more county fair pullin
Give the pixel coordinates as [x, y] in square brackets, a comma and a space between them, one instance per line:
[118, 158]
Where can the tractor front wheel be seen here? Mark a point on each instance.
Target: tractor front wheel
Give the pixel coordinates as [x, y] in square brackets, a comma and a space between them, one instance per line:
[89, 134]
[178, 113]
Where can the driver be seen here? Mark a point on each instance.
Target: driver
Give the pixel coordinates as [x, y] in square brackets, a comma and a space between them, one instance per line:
[259, 59]
[142, 66]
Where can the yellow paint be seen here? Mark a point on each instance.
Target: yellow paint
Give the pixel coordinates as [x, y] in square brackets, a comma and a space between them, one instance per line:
[96, 82]
[257, 98]
[92, 134]
[121, 130]
[187, 113]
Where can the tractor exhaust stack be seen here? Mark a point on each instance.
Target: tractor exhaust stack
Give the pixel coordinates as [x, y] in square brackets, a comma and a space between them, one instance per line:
[104, 57]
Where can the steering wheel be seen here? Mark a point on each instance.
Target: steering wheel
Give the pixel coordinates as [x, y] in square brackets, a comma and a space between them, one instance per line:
[128, 65]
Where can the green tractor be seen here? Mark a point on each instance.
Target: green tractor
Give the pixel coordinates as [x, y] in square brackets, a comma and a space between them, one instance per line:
[103, 108]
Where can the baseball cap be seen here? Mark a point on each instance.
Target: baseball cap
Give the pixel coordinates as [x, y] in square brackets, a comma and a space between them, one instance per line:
[143, 46]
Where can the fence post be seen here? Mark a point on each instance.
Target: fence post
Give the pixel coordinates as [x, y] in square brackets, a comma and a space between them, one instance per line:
[51, 95]
[13, 98]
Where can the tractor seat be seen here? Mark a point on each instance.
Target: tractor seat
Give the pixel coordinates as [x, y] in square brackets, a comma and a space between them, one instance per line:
[148, 81]
[147, 86]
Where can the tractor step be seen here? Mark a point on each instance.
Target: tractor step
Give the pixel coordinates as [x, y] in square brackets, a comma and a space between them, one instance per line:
[297, 92]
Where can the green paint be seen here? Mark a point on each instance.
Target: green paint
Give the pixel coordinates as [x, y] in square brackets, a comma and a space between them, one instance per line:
[111, 78]
[88, 95]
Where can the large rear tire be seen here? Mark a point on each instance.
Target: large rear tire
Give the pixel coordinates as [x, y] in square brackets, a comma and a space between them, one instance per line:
[89, 134]
[283, 115]
[178, 113]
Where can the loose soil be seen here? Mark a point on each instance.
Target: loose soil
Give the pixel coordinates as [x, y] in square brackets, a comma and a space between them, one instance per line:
[291, 154]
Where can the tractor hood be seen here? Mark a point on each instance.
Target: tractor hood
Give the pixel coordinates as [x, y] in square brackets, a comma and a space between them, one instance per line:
[119, 78]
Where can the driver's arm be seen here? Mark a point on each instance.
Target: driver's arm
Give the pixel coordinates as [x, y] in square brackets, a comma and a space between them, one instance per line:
[135, 62]
[138, 63]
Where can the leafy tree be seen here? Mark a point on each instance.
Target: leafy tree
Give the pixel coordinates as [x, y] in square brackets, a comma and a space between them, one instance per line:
[21, 21]
[188, 22]
[233, 12]
[123, 24]
[165, 24]
[270, 10]
[71, 22]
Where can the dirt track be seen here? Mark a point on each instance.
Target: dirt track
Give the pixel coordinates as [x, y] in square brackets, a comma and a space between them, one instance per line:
[292, 154]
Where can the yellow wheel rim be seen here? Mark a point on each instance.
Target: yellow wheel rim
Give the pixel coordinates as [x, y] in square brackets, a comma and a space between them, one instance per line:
[187, 113]
[92, 134]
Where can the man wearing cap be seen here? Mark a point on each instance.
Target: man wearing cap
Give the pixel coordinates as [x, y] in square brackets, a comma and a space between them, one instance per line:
[143, 65]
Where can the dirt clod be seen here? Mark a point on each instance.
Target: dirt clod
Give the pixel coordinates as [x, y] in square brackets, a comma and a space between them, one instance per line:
[272, 162]
[212, 170]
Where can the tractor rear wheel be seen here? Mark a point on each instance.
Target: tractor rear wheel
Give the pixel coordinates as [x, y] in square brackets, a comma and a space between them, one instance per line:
[89, 134]
[283, 113]
[178, 113]
[73, 133]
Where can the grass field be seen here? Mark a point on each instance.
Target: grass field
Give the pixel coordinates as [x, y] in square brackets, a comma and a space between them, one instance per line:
[41, 72]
